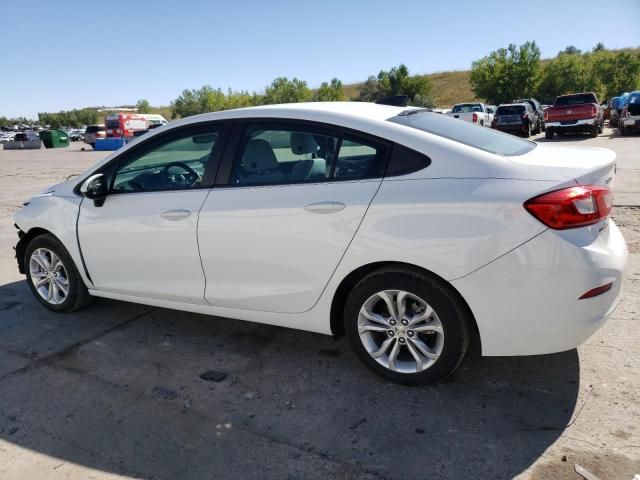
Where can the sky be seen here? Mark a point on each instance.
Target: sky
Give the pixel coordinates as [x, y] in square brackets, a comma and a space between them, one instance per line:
[65, 54]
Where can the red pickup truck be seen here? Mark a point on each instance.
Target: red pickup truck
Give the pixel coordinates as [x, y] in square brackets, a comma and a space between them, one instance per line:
[575, 113]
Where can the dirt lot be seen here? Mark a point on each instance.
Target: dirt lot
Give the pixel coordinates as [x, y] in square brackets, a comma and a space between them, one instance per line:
[114, 391]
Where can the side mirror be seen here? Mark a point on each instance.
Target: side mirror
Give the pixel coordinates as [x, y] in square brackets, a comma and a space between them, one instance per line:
[95, 188]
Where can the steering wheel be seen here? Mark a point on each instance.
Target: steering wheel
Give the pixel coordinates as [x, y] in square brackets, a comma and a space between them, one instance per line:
[190, 177]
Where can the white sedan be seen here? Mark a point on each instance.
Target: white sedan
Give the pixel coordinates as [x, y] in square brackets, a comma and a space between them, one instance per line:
[412, 233]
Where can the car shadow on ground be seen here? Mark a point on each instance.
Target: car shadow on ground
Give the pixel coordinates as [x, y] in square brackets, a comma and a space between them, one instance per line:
[117, 388]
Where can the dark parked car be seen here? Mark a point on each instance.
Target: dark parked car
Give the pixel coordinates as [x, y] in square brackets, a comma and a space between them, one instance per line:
[538, 120]
[613, 112]
[630, 114]
[516, 118]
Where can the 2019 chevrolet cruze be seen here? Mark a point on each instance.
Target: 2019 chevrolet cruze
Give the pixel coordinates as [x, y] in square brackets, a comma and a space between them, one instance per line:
[412, 233]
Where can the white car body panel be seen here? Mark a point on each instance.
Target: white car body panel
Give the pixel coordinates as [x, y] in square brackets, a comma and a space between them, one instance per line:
[527, 302]
[461, 218]
[130, 248]
[262, 250]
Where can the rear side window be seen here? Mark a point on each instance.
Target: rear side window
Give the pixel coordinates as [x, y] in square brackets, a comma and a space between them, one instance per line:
[292, 154]
[404, 161]
[511, 110]
[577, 99]
[466, 133]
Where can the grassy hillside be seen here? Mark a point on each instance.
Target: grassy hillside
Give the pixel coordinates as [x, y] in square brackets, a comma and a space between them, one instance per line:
[448, 87]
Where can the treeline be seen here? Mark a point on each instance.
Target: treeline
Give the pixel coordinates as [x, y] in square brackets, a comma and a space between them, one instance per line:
[517, 71]
[503, 75]
[396, 81]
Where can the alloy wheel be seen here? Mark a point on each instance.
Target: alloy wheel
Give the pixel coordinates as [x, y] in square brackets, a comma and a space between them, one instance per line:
[400, 331]
[49, 276]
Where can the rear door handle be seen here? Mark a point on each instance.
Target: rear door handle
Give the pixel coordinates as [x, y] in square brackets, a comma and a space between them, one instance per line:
[325, 207]
[179, 214]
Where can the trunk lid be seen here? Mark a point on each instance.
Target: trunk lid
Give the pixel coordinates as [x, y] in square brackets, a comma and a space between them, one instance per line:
[587, 165]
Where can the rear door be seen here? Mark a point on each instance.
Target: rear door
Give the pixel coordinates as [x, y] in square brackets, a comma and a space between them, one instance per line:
[288, 201]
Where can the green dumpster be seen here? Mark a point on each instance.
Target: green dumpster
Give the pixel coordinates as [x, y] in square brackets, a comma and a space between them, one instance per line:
[54, 138]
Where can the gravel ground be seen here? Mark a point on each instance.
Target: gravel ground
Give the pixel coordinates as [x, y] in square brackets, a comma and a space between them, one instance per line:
[114, 391]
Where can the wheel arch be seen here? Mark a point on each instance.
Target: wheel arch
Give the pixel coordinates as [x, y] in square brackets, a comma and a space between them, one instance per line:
[349, 281]
[25, 238]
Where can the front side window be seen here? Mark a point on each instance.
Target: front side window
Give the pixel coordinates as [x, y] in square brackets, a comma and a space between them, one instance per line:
[286, 155]
[177, 163]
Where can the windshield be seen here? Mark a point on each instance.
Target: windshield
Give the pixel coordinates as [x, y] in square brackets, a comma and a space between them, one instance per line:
[511, 110]
[467, 108]
[466, 133]
[111, 124]
[578, 99]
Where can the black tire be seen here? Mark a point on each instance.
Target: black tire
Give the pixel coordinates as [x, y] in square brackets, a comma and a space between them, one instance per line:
[453, 314]
[593, 133]
[601, 127]
[78, 295]
[548, 134]
[622, 129]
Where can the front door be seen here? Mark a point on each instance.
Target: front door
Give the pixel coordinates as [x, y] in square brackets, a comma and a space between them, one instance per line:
[142, 241]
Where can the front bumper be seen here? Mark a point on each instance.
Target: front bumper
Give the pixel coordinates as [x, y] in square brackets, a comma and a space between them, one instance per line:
[527, 301]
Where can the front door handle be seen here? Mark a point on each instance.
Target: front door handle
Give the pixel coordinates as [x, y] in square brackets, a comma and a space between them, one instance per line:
[325, 207]
[179, 214]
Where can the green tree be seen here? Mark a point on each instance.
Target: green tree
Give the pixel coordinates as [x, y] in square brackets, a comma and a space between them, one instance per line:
[370, 91]
[143, 106]
[283, 90]
[570, 50]
[506, 73]
[561, 75]
[398, 81]
[598, 47]
[330, 92]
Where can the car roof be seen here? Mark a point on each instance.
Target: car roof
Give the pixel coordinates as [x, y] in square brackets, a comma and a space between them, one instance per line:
[329, 112]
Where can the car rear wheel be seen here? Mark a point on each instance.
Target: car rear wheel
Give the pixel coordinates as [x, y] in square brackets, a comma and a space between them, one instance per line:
[407, 326]
[52, 275]
[548, 134]
[594, 131]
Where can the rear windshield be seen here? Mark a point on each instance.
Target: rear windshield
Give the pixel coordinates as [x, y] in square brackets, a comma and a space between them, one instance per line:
[511, 110]
[466, 108]
[94, 129]
[578, 99]
[112, 124]
[466, 133]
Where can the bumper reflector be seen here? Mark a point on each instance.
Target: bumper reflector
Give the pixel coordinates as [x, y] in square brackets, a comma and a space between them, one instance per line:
[594, 292]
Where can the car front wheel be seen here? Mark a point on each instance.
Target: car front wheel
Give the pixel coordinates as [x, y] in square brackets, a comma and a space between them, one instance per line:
[406, 326]
[52, 275]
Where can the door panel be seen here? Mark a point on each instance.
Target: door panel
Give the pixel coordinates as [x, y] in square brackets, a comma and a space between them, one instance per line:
[144, 244]
[264, 249]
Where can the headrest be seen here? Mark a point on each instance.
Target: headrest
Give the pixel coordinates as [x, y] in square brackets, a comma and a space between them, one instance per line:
[303, 143]
[259, 156]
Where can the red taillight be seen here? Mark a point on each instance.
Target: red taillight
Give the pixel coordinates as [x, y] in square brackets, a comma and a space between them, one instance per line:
[475, 118]
[546, 115]
[594, 292]
[594, 111]
[571, 207]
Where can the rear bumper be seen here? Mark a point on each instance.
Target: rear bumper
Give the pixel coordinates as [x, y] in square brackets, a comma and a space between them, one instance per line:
[576, 126]
[512, 128]
[527, 302]
[632, 121]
